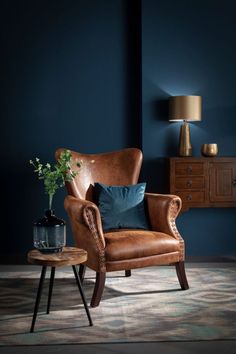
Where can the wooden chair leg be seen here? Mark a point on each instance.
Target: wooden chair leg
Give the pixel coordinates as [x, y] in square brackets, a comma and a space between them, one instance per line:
[98, 289]
[128, 273]
[82, 269]
[180, 270]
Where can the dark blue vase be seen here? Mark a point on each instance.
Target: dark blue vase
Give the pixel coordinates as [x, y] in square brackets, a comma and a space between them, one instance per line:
[49, 233]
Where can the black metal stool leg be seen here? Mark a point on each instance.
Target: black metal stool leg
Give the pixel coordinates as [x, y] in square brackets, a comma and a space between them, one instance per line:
[40, 288]
[50, 288]
[82, 294]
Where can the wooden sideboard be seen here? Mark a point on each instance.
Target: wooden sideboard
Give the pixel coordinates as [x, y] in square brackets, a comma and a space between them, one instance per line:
[203, 182]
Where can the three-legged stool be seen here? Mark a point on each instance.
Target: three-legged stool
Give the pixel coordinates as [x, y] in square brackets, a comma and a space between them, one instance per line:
[69, 256]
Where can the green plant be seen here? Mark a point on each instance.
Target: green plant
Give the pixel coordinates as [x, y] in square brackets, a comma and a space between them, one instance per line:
[55, 176]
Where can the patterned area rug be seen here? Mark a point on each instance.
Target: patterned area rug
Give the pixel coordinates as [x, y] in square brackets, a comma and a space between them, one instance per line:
[148, 306]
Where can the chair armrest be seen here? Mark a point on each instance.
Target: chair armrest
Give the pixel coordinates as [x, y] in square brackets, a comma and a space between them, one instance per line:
[163, 210]
[87, 230]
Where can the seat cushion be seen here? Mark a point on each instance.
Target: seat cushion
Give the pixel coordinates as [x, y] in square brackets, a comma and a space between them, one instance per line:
[129, 244]
[121, 206]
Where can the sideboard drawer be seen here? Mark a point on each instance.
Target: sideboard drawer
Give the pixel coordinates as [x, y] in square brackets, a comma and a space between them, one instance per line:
[192, 196]
[188, 169]
[203, 182]
[190, 182]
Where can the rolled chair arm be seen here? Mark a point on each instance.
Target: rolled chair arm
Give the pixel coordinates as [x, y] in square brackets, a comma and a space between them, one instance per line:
[87, 231]
[163, 210]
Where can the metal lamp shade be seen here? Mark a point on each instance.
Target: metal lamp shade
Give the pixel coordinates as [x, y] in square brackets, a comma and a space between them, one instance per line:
[187, 109]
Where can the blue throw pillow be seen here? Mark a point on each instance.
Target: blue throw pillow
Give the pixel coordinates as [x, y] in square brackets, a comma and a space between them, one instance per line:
[121, 207]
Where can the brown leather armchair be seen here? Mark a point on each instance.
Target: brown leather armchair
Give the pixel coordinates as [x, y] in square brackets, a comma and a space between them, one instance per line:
[121, 249]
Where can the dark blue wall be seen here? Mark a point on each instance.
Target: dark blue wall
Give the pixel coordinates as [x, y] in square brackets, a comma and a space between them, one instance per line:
[68, 79]
[189, 48]
[72, 74]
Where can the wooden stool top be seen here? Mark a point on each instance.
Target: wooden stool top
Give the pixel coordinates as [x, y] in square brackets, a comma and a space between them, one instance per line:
[68, 256]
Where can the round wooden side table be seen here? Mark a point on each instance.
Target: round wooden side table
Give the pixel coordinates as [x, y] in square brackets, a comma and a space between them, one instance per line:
[69, 256]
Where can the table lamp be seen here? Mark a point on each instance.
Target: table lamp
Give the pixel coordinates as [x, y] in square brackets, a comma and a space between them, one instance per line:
[186, 109]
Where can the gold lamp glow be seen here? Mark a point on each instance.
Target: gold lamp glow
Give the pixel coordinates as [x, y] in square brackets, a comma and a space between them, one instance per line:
[186, 109]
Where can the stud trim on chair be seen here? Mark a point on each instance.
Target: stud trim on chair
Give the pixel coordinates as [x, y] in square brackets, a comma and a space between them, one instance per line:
[90, 217]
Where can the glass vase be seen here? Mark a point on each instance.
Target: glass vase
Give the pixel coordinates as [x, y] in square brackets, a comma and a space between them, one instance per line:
[49, 233]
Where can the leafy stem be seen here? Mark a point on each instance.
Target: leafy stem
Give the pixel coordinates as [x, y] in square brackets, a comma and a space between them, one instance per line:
[55, 176]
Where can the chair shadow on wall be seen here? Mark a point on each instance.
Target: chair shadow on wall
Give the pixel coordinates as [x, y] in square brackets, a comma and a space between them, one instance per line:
[158, 170]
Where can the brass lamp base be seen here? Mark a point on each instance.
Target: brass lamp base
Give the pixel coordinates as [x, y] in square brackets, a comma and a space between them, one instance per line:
[185, 147]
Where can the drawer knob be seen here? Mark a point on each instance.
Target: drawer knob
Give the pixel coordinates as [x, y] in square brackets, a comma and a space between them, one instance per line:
[189, 169]
[189, 197]
[189, 183]
[234, 182]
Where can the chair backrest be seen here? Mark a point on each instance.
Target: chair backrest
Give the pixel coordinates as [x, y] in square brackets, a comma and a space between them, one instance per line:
[112, 168]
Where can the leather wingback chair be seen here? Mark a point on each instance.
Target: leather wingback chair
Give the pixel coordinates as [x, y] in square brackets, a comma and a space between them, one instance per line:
[121, 249]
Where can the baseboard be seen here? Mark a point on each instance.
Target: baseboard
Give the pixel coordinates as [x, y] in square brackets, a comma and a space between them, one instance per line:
[14, 259]
[21, 259]
[213, 259]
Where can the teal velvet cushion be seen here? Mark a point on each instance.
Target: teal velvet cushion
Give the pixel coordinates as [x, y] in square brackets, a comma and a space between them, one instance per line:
[121, 206]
